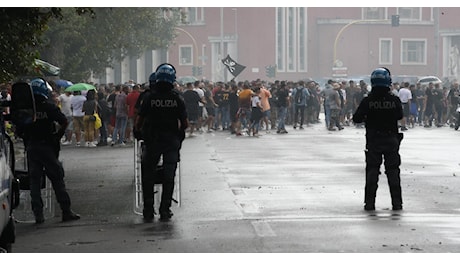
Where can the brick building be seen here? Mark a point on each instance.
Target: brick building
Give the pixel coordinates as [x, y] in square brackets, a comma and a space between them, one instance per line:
[310, 42]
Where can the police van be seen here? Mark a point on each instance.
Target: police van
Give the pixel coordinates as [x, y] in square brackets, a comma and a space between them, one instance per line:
[19, 111]
[9, 188]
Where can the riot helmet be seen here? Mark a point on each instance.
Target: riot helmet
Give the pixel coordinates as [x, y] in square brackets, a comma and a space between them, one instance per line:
[165, 73]
[40, 87]
[381, 77]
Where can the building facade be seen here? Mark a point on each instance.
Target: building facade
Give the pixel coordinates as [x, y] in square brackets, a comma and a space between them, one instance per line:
[308, 42]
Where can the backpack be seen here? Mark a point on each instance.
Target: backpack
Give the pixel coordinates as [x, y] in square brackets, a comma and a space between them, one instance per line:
[298, 96]
[22, 107]
[104, 110]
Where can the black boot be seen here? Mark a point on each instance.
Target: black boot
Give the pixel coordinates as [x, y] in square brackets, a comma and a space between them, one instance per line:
[165, 215]
[148, 214]
[148, 211]
[69, 216]
[369, 207]
[39, 218]
[397, 207]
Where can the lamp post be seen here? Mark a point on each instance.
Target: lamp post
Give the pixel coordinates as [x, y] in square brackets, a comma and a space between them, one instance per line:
[222, 39]
[236, 33]
[236, 21]
[343, 29]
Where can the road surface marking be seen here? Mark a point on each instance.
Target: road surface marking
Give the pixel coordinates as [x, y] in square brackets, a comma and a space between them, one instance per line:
[263, 229]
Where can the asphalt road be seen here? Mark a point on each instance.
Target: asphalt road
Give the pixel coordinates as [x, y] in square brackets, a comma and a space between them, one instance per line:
[299, 192]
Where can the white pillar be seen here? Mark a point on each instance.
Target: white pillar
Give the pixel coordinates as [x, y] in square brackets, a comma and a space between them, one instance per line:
[125, 70]
[109, 75]
[140, 69]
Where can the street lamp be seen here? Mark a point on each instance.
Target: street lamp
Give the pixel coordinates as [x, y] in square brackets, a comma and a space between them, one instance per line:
[343, 29]
[236, 32]
[222, 38]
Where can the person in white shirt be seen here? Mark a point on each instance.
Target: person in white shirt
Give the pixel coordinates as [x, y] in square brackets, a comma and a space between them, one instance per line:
[197, 86]
[66, 108]
[405, 96]
[77, 104]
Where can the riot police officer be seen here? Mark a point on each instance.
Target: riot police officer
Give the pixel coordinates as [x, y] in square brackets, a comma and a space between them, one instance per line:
[380, 111]
[42, 143]
[163, 120]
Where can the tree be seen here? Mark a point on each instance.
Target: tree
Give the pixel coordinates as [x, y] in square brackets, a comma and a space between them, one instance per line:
[19, 38]
[81, 44]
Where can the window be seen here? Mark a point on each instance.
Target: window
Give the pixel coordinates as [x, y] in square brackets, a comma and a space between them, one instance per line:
[413, 51]
[374, 13]
[302, 40]
[410, 13]
[386, 51]
[280, 38]
[191, 15]
[291, 39]
[185, 55]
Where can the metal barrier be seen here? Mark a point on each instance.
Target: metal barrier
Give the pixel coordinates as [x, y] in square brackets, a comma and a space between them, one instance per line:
[23, 213]
[157, 189]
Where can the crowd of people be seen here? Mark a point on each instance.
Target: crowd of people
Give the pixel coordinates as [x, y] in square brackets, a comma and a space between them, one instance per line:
[249, 107]
[244, 108]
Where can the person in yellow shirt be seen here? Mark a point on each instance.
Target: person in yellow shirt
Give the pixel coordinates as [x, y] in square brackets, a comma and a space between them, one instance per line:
[244, 107]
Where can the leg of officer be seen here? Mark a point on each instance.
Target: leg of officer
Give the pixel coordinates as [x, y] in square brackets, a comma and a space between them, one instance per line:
[392, 163]
[170, 159]
[55, 174]
[149, 160]
[36, 174]
[373, 162]
[42, 160]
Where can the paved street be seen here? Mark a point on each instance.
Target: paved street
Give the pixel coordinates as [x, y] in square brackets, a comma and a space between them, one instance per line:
[298, 192]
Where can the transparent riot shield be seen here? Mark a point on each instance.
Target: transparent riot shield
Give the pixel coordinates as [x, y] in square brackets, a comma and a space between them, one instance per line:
[23, 213]
[138, 199]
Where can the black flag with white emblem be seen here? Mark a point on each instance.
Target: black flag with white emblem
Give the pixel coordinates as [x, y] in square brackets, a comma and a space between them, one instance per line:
[234, 68]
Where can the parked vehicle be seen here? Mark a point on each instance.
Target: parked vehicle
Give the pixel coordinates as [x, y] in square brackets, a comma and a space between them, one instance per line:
[412, 79]
[9, 188]
[21, 112]
[429, 79]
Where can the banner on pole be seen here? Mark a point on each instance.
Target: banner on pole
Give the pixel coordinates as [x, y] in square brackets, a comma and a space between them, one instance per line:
[234, 68]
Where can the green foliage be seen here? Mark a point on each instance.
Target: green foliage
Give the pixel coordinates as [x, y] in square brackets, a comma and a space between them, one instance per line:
[20, 37]
[91, 41]
[79, 40]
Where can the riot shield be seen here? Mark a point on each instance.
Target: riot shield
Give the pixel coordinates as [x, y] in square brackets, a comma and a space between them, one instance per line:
[138, 199]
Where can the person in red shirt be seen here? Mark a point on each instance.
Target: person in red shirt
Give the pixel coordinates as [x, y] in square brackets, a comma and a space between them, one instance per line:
[131, 100]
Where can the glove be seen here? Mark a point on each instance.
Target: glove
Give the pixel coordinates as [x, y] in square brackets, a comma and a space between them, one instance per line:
[181, 135]
[137, 134]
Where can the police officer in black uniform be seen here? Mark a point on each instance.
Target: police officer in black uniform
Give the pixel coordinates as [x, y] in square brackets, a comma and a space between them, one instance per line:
[163, 120]
[380, 111]
[42, 143]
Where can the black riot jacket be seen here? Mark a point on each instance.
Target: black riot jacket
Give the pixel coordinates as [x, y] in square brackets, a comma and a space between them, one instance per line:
[164, 112]
[380, 111]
